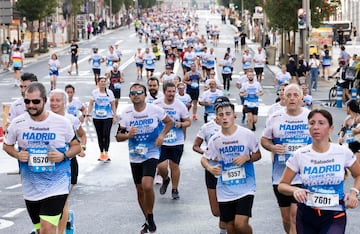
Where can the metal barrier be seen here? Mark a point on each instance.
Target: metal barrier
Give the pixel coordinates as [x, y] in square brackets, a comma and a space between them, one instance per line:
[339, 94]
[354, 93]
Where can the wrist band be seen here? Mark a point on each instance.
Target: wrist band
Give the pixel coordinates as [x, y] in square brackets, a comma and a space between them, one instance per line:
[65, 156]
[355, 190]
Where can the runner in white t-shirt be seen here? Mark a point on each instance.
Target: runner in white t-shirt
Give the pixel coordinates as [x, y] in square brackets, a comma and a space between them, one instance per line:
[251, 91]
[205, 133]
[173, 146]
[139, 124]
[45, 142]
[286, 131]
[234, 149]
[322, 166]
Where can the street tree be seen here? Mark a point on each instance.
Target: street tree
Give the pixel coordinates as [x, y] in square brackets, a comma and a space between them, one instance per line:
[73, 9]
[282, 16]
[35, 11]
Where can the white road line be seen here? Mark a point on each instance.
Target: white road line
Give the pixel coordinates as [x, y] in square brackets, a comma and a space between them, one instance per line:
[14, 213]
[5, 223]
[14, 186]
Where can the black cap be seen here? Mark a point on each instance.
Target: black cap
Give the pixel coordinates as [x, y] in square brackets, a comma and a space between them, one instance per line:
[220, 100]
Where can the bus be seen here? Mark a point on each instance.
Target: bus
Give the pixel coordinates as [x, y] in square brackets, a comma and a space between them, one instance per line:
[346, 27]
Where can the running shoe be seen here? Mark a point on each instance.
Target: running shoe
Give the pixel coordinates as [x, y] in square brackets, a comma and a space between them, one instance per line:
[194, 117]
[164, 186]
[151, 225]
[33, 232]
[69, 72]
[175, 194]
[101, 158]
[145, 228]
[70, 228]
[158, 179]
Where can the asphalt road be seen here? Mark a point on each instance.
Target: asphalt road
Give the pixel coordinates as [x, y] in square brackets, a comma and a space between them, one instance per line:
[104, 201]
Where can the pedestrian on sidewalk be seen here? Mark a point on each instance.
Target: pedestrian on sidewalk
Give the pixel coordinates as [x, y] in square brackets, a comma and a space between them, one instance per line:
[314, 64]
[5, 55]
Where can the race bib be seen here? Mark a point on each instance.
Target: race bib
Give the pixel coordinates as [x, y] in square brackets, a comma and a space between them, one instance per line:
[226, 69]
[194, 85]
[100, 113]
[290, 148]
[39, 160]
[53, 68]
[233, 174]
[170, 136]
[251, 104]
[320, 200]
[141, 149]
[349, 136]
[117, 85]
[149, 62]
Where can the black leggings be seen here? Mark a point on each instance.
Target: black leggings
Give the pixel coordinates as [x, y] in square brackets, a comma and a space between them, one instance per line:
[103, 129]
[226, 81]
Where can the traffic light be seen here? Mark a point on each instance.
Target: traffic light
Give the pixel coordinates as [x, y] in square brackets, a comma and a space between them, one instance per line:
[301, 19]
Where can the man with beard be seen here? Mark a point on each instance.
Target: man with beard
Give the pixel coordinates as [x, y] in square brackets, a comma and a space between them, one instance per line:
[173, 146]
[46, 141]
[153, 86]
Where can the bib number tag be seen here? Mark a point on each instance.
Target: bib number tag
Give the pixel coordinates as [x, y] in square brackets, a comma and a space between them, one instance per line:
[149, 62]
[141, 150]
[227, 69]
[251, 104]
[117, 85]
[349, 136]
[320, 200]
[39, 160]
[290, 148]
[233, 174]
[170, 136]
[194, 85]
[100, 113]
[53, 68]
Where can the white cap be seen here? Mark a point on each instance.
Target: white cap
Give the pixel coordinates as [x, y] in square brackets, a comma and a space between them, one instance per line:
[115, 65]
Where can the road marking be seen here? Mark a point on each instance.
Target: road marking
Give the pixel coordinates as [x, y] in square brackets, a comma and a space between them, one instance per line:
[5, 223]
[14, 186]
[14, 213]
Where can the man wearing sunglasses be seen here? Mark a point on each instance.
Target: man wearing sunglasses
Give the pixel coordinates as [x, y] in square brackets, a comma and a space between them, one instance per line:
[18, 106]
[139, 124]
[46, 141]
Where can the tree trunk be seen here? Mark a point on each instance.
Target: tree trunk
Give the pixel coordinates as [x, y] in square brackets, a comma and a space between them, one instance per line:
[32, 37]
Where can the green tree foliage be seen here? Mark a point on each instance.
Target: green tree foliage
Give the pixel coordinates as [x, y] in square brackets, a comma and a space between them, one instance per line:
[147, 3]
[282, 14]
[35, 10]
[76, 6]
[116, 5]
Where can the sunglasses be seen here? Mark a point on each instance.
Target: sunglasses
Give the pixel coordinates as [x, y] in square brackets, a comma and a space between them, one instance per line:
[137, 92]
[34, 101]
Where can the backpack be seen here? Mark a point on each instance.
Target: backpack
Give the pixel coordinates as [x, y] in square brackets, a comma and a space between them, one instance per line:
[348, 73]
